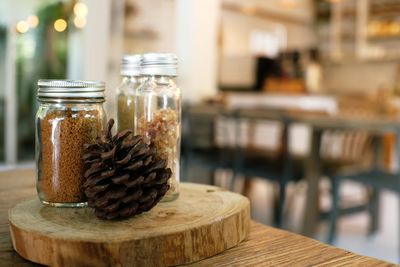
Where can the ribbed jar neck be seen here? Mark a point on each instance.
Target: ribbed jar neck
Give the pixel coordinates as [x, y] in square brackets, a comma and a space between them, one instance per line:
[159, 79]
[131, 79]
[79, 105]
[76, 101]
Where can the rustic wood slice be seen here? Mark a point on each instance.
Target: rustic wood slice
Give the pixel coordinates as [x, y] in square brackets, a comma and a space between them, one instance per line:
[203, 221]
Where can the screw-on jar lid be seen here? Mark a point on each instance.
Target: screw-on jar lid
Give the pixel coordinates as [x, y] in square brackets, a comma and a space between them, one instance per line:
[130, 65]
[54, 90]
[159, 64]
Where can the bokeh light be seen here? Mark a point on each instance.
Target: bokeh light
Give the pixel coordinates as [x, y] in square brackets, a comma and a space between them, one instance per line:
[79, 22]
[80, 9]
[22, 26]
[33, 21]
[60, 25]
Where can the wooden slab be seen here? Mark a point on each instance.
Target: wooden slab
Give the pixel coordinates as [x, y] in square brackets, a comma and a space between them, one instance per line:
[202, 222]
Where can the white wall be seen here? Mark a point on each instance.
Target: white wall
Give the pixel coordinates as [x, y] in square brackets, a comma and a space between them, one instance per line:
[10, 13]
[299, 9]
[197, 25]
[116, 45]
[96, 50]
[237, 27]
[188, 28]
[237, 70]
[361, 77]
[157, 18]
[237, 59]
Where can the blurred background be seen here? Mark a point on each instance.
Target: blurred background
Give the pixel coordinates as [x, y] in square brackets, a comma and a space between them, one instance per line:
[293, 103]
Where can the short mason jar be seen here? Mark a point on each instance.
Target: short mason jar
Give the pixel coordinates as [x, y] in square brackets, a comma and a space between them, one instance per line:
[70, 114]
[131, 80]
[158, 112]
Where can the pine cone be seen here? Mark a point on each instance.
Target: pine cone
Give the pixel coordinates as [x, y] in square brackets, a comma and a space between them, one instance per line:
[124, 175]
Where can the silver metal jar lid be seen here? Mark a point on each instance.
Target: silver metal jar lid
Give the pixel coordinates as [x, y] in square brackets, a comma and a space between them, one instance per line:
[130, 65]
[159, 64]
[52, 90]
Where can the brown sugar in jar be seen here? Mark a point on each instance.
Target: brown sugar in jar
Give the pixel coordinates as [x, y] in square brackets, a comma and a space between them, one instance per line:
[63, 136]
[62, 128]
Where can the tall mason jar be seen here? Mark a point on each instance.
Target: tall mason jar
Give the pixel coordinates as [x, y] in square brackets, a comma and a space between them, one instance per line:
[70, 114]
[158, 112]
[131, 79]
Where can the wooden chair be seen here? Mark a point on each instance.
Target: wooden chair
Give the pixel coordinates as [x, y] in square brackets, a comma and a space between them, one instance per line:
[365, 146]
[276, 165]
[358, 162]
[199, 147]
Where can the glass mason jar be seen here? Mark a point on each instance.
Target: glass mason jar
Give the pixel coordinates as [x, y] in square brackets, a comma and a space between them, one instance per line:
[131, 79]
[158, 112]
[70, 114]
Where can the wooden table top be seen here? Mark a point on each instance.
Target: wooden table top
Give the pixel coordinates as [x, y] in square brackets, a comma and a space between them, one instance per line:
[265, 246]
[377, 123]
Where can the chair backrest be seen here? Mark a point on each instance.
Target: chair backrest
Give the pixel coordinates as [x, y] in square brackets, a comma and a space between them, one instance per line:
[350, 146]
[199, 125]
[261, 131]
[346, 146]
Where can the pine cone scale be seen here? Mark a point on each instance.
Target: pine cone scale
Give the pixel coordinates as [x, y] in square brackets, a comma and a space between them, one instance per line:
[134, 166]
[139, 150]
[93, 179]
[132, 197]
[151, 194]
[115, 193]
[121, 179]
[161, 164]
[95, 190]
[128, 211]
[100, 203]
[109, 154]
[124, 160]
[132, 142]
[136, 182]
[150, 178]
[147, 160]
[122, 135]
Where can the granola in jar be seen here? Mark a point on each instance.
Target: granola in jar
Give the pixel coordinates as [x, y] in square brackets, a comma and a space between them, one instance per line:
[164, 131]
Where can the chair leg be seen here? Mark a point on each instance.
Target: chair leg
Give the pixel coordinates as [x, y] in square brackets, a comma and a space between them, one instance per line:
[246, 186]
[398, 244]
[237, 167]
[232, 182]
[186, 163]
[334, 209]
[285, 177]
[185, 168]
[280, 203]
[373, 209]
[211, 175]
[276, 206]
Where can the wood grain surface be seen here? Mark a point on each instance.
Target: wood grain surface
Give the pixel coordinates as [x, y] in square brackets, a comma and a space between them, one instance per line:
[265, 246]
[204, 221]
